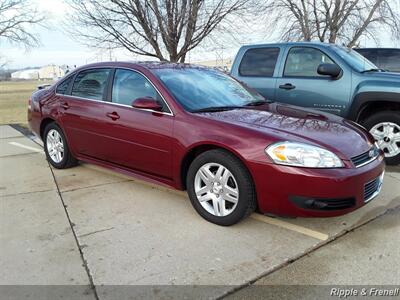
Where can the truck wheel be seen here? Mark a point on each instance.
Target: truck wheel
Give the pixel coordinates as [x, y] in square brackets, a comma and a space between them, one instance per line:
[385, 128]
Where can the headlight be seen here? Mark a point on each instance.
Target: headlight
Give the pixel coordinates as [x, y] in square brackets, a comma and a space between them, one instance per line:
[302, 155]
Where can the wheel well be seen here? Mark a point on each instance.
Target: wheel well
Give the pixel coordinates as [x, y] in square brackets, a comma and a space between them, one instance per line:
[192, 154]
[376, 106]
[43, 125]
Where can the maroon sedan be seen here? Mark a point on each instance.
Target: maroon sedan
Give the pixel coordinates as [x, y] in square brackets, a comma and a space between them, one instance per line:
[198, 129]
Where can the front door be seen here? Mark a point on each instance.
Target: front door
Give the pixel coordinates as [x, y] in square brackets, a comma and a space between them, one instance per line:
[138, 139]
[301, 85]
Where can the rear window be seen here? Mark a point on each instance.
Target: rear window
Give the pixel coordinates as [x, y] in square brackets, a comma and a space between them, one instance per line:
[91, 84]
[259, 62]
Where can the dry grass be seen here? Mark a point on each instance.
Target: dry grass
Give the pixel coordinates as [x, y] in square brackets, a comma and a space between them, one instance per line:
[14, 97]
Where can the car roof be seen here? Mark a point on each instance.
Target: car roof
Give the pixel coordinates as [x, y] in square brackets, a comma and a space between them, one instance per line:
[150, 65]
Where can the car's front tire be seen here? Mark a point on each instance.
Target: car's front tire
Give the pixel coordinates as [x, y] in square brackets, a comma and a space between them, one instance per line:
[56, 147]
[385, 128]
[220, 187]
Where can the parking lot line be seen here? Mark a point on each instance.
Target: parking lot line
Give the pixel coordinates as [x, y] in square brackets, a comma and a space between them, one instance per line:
[26, 147]
[303, 230]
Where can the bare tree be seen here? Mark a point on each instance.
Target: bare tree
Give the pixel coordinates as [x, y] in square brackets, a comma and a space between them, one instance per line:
[16, 19]
[344, 21]
[164, 29]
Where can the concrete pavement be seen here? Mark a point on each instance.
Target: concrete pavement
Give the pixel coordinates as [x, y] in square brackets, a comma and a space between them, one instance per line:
[369, 255]
[90, 226]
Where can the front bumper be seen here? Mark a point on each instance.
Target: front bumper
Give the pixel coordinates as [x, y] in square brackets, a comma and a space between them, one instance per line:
[305, 192]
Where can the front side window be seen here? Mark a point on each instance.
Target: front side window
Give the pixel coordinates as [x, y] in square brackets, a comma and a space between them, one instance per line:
[304, 62]
[130, 85]
[259, 62]
[200, 88]
[62, 88]
[91, 84]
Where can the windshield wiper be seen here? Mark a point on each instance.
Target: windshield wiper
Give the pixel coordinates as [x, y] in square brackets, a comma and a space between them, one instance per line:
[373, 70]
[216, 109]
[258, 103]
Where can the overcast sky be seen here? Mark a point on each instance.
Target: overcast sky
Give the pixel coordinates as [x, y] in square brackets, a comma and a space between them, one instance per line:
[59, 48]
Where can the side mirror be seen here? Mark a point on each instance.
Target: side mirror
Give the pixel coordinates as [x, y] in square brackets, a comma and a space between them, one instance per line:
[332, 70]
[147, 103]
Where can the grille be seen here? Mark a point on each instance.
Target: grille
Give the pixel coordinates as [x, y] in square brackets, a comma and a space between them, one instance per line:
[334, 204]
[371, 188]
[322, 203]
[364, 158]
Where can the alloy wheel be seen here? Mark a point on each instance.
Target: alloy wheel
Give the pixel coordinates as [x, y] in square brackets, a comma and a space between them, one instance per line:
[216, 189]
[55, 146]
[387, 135]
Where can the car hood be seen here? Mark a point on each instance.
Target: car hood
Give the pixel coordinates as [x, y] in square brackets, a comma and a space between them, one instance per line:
[385, 75]
[291, 123]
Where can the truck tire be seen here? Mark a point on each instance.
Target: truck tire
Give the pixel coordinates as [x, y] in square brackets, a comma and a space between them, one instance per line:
[385, 128]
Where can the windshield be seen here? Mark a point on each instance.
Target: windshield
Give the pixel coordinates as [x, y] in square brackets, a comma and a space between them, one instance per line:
[200, 88]
[356, 60]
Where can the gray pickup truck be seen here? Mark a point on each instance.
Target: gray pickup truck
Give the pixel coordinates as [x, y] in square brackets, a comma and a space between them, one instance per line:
[330, 78]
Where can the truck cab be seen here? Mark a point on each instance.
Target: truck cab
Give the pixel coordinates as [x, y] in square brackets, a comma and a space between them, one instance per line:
[330, 78]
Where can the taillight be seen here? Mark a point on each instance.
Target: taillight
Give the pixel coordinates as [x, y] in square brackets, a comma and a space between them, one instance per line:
[30, 104]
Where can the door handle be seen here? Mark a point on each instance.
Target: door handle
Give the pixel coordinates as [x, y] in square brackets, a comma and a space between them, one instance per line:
[65, 105]
[287, 86]
[114, 116]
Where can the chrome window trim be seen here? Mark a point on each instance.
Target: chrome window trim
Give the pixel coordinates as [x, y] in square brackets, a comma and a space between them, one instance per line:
[170, 113]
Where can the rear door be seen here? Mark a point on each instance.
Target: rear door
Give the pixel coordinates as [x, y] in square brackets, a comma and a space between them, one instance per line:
[257, 67]
[138, 139]
[82, 112]
[301, 85]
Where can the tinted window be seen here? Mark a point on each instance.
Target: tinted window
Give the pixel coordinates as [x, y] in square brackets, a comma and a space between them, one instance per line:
[91, 84]
[389, 60]
[129, 85]
[62, 87]
[353, 58]
[305, 62]
[259, 62]
[198, 88]
[370, 54]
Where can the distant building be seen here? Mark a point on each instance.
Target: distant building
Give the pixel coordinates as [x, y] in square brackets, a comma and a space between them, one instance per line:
[224, 64]
[51, 72]
[26, 74]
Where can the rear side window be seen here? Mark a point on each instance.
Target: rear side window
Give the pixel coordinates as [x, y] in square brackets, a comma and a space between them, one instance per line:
[62, 88]
[304, 62]
[91, 84]
[259, 62]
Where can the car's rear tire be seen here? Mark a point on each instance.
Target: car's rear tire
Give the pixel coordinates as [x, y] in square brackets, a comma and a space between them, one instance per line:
[220, 187]
[56, 147]
[385, 127]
